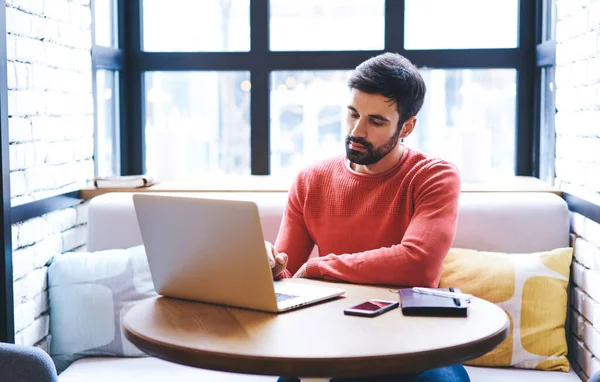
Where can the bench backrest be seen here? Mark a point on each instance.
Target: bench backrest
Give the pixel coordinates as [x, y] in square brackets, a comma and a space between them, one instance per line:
[517, 222]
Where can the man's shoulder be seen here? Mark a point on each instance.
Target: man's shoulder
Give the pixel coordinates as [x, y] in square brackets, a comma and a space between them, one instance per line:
[323, 168]
[425, 170]
[422, 162]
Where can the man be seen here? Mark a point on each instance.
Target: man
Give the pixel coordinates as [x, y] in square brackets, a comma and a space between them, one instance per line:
[384, 214]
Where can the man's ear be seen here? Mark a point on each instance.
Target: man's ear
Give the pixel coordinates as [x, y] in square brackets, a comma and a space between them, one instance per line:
[408, 127]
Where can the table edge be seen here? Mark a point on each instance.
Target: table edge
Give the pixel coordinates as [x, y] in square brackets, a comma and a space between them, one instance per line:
[313, 367]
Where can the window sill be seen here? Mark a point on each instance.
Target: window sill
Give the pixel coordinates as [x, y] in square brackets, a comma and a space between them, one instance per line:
[258, 183]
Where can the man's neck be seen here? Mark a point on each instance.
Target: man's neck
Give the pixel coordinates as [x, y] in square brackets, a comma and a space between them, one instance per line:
[386, 163]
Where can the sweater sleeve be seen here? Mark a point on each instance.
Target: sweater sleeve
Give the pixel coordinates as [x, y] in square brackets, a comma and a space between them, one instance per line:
[293, 238]
[418, 259]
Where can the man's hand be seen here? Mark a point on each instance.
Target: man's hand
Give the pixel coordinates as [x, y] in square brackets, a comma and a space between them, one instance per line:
[301, 272]
[277, 261]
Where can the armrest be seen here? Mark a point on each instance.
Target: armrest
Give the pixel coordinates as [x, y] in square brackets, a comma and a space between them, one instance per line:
[26, 364]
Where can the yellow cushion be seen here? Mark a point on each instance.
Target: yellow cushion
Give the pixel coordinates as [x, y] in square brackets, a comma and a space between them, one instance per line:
[532, 290]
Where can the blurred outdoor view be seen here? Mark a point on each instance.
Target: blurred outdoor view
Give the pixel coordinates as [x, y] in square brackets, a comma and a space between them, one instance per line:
[198, 123]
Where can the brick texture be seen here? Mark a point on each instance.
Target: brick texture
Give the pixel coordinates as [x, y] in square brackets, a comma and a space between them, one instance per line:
[51, 134]
[578, 94]
[578, 165]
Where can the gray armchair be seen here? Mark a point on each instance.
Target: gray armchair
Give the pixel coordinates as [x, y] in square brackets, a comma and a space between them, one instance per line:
[25, 364]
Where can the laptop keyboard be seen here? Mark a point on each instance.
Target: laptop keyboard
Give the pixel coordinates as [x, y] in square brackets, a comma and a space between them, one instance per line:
[282, 296]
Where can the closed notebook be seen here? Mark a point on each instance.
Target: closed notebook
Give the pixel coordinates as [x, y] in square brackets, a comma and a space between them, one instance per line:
[418, 304]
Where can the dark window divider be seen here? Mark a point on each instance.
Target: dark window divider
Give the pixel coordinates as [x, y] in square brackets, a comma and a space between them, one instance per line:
[260, 144]
[131, 85]
[319, 60]
[41, 207]
[394, 26]
[7, 309]
[526, 145]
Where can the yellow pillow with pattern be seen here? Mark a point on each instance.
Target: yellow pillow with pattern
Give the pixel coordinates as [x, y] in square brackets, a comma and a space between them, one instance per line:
[532, 290]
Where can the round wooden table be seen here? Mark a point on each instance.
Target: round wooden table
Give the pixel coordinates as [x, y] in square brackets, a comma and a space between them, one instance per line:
[313, 341]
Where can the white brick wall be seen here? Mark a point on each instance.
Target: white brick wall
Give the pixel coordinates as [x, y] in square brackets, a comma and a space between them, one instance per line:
[578, 94]
[578, 164]
[585, 295]
[51, 134]
[50, 96]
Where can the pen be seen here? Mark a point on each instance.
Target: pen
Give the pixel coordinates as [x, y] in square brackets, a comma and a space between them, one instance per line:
[442, 293]
[456, 300]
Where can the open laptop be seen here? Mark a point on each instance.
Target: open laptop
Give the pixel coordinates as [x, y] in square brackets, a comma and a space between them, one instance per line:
[213, 250]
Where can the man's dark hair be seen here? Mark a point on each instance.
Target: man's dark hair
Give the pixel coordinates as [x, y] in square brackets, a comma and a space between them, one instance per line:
[394, 77]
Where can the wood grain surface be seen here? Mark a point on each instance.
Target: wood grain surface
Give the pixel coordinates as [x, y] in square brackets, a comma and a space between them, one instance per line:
[314, 341]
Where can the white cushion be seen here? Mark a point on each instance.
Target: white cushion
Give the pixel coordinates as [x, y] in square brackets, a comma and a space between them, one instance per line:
[147, 369]
[489, 374]
[511, 222]
[90, 292]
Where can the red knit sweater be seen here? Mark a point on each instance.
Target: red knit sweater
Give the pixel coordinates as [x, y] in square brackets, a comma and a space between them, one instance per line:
[393, 228]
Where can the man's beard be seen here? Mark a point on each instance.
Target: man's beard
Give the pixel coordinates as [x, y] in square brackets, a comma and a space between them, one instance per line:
[372, 154]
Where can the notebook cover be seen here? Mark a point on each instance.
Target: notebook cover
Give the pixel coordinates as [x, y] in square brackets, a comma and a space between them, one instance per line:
[418, 304]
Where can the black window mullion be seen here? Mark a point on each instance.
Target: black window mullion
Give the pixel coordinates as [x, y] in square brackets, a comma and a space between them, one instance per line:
[394, 26]
[131, 89]
[526, 149]
[337, 60]
[260, 147]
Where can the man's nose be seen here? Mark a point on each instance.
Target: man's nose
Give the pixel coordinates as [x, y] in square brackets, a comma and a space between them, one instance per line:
[359, 128]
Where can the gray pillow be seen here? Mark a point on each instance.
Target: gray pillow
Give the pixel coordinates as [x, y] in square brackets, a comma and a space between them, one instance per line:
[89, 294]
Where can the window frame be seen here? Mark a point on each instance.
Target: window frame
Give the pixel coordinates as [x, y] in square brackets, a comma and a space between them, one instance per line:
[109, 59]
[260, 61]
[545, 88]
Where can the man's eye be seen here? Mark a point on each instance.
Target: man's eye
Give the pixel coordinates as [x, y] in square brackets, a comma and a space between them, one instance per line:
[376, 123]
[354, 115]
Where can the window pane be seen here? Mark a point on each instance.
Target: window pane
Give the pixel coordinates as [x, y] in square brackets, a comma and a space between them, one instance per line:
[197, 123]
[105, 16]
[308, 114]
[469, 119]
[464, 112]
[461, 24]
[327, 25]
[107, 122]
[196, 26]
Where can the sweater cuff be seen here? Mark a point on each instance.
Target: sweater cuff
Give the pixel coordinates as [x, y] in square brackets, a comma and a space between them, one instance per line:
[283, 275]
[312, 268]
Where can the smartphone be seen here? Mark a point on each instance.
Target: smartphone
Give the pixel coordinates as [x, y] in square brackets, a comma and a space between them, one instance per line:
[371, 308]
